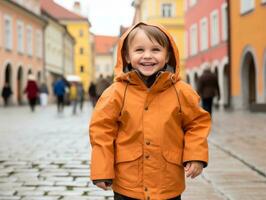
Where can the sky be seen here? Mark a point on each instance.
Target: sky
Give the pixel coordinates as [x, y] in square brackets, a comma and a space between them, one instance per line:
[105, 16]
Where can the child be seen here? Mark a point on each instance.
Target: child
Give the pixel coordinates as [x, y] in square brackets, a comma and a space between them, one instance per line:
[147, 128]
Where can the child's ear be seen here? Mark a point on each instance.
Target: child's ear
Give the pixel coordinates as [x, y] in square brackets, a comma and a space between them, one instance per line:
[167, 57]
[127, 58]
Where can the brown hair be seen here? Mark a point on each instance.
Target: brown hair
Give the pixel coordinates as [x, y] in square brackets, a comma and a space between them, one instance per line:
[153, 33]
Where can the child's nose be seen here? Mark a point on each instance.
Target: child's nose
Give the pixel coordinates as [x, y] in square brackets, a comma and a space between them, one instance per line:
[147, 54]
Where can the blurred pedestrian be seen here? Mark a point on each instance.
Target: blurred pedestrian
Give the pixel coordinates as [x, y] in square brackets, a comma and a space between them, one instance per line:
[92, 93]
[81, 93]
[59, 90]
[73, 96]
[101, 84]
[6, 93]
[43, 94]
[32, 91]
[147, 131]
[208, 88]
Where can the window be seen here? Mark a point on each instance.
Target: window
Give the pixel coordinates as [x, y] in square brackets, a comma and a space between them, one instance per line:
[107, 68]
[8, 32]
[81, 69]
[193, 40]
[246, 6]
[81, 51]
[192, 3]
[167, 10]
[29, 40]
[224, 22]
[81, 33]
[39, 44]
[214, 28]
[20, 37]
[203, 34]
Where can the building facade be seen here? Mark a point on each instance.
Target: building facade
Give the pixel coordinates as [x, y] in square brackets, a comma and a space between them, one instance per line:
[59, 48]
[79, 28]
[168, 13]
[206, 40]
[248, 52]
[21, 45]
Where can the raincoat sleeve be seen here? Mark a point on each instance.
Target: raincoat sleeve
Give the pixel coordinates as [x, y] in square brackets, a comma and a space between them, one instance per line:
[103, 130]
[196, 126]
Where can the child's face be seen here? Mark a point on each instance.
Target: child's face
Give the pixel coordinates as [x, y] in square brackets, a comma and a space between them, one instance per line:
[145, 55]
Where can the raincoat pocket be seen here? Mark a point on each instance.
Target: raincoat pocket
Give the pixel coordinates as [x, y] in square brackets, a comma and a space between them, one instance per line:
[174, 157]
[174, 170]
[128, 167]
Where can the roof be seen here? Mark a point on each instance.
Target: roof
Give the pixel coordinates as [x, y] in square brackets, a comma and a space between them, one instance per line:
[24, 9]
[59, 12]
[103, 43]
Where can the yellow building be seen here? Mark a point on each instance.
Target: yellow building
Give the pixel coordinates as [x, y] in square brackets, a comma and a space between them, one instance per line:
[79, 28]
[248, 55]
[170, 14]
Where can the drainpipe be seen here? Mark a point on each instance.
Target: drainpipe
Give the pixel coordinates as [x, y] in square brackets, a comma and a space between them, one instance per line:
[229, 46]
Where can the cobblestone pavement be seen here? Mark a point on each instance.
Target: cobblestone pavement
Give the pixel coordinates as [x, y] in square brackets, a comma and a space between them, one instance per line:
[45, 156]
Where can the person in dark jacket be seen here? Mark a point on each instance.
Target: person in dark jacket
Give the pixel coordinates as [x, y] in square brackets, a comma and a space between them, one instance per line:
[208, 88]
[59, 90]
[6, 93]
[32, 92]
[101, 84]
[92, 94]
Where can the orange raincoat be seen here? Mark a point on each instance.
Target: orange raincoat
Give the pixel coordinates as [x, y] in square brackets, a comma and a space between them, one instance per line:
[142, 137]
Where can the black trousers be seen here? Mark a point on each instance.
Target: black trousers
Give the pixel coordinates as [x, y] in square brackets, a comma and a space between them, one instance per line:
[207, 104]
[122, 197]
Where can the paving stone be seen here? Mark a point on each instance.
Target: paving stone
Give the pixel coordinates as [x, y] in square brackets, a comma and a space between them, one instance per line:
[30, 193]
[10, 198]
[66, 193]
[72, 183]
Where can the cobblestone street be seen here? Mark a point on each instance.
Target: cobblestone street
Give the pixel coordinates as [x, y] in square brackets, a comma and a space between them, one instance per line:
[45, 156]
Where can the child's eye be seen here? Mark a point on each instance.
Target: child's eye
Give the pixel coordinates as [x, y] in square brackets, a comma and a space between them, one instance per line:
[139, 49]
[156, 49]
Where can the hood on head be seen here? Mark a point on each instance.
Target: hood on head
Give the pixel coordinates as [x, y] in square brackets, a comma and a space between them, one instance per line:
[121, 63]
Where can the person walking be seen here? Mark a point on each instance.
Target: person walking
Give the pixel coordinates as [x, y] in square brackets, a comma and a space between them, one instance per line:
[101, 85]
[32, 92]
[80, 90]
[147, 130]
[59, 90]
[73, 96]
[92, 94]
[43, 94]
[208, 88]
[6, 93]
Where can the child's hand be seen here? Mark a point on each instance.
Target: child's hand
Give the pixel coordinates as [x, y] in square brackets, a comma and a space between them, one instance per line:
[193, 169]
[103, 185]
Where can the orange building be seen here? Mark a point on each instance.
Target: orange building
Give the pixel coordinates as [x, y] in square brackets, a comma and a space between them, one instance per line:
[21, 45]
[248, 53]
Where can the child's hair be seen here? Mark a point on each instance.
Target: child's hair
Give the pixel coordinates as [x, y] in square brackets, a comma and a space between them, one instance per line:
[152, 32]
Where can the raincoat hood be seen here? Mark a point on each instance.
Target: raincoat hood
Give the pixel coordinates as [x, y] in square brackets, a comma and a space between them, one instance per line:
[120, 72]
